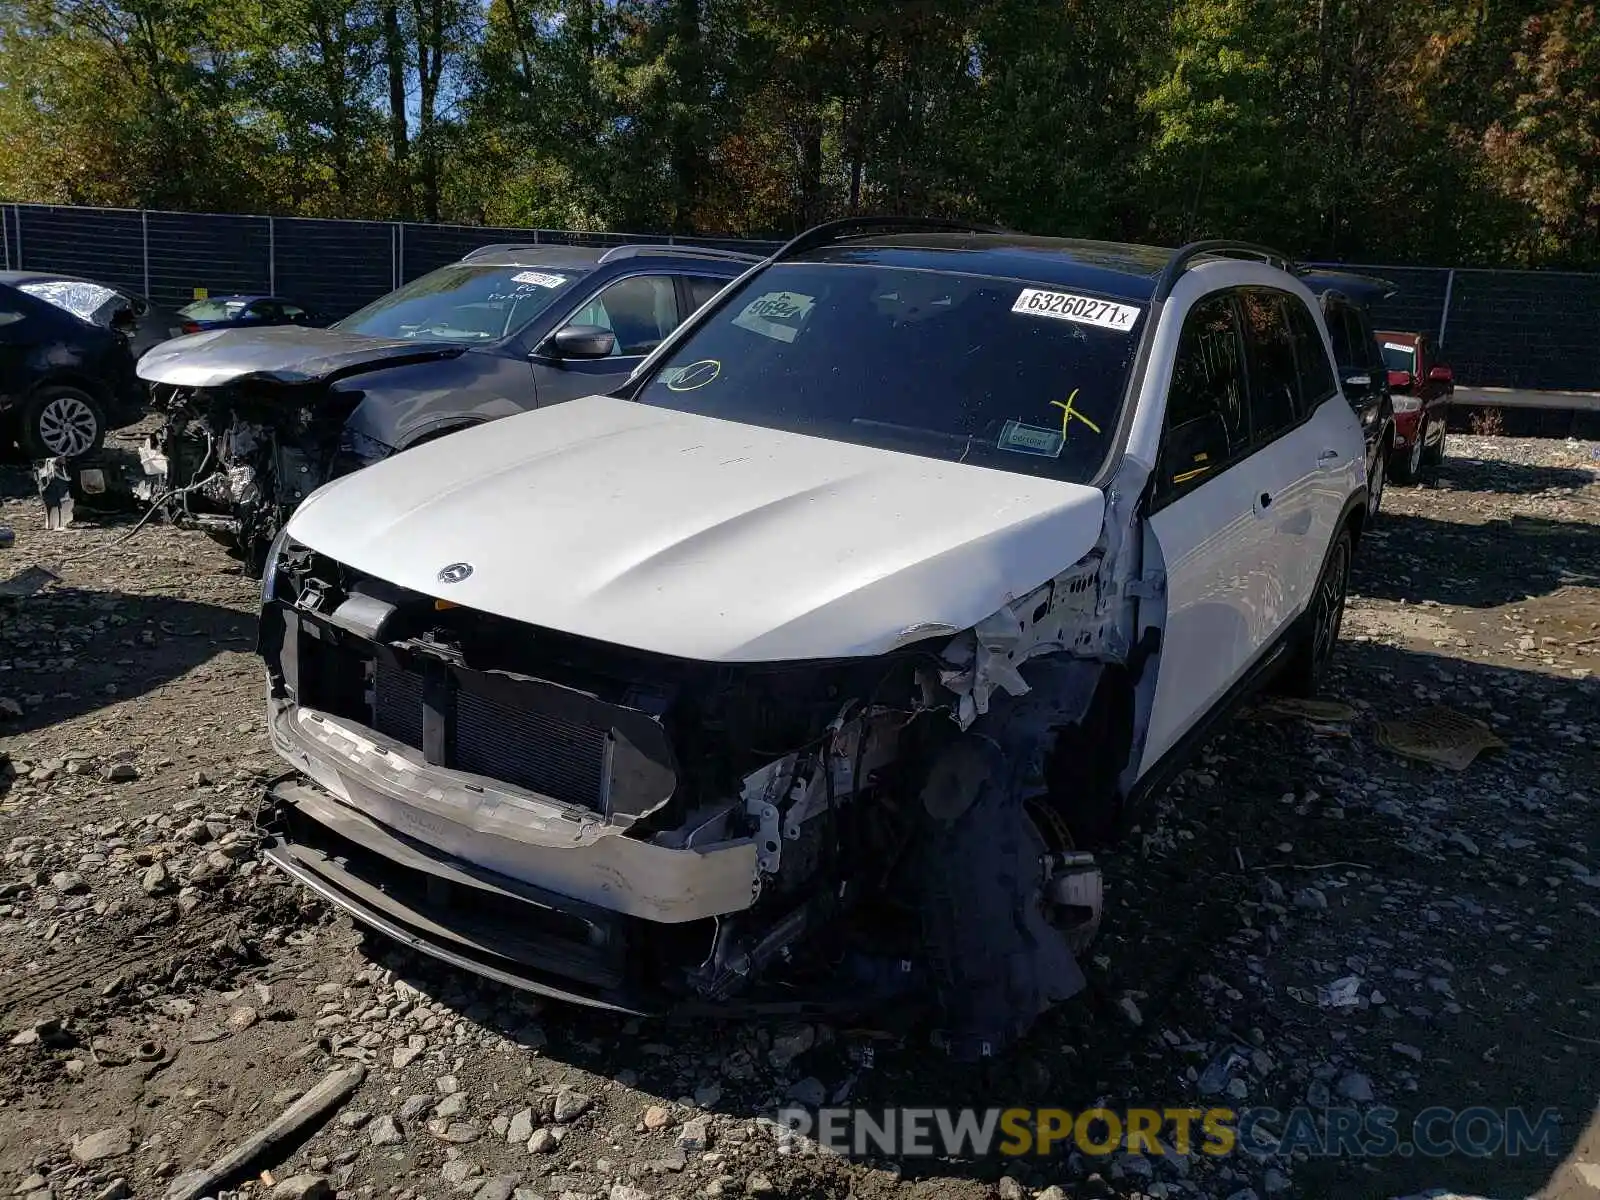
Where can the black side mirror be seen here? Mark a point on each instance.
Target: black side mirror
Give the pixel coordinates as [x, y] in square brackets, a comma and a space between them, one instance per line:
[580, 341]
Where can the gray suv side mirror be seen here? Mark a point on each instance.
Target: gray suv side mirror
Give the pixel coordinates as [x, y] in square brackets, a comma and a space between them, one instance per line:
[580, 341]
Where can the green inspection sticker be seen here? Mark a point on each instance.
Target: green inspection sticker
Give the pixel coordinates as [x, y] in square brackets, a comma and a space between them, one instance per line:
[1031, 439]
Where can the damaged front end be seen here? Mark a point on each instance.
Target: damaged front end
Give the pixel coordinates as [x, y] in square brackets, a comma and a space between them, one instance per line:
[645, 833]
[237, 459]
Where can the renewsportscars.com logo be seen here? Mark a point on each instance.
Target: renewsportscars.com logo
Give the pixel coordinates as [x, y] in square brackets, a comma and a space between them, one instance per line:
[1258, 1132]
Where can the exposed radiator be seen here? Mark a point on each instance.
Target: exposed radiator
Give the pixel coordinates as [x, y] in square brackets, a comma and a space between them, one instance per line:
[545, 753]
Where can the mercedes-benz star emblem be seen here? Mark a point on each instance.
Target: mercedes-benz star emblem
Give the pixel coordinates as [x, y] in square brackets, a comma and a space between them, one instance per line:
[455, 572]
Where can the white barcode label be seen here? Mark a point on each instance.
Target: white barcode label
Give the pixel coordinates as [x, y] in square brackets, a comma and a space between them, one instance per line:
[1085, 310]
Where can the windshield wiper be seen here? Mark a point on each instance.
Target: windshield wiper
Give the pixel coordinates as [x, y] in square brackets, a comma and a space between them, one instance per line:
[955, 439]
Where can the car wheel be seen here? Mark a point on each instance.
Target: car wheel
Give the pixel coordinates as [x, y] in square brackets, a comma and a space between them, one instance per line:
[1324, 619]
[62, 422]
[1375, 482]
[1433, 456]
[1409, 468]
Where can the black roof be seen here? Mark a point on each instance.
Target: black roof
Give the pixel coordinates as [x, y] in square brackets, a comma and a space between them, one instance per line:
[1113, 268]
[15, 277]
[1363, 289]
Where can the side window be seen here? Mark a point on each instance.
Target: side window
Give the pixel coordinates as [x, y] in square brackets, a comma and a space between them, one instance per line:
[1345, 329]
[293, 312]
[641, 311]
[1206, 423]
[1274, 371]
[1311, 356]
[702, 289]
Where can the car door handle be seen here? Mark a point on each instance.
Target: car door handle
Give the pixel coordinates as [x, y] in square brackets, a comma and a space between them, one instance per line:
[1328, 456]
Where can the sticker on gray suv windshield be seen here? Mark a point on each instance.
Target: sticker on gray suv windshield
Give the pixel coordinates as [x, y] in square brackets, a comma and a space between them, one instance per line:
[777, 315]
[1085, 310]
[539, 278]
[1031, 439]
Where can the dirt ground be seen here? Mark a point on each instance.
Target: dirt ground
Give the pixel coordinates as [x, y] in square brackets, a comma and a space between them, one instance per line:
[163, 994]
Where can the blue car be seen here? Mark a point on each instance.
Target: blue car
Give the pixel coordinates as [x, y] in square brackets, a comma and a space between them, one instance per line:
[231, 312]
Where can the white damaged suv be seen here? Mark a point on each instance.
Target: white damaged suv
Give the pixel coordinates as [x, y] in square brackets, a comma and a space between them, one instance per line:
[812, 665]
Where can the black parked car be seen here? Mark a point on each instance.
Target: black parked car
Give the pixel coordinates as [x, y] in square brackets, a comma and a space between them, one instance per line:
[506, 329]
[66, 362]
[1347, 301]
[101, 304]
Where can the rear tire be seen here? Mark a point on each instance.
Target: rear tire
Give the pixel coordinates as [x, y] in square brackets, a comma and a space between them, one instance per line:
[1376, 480]
[1308, 671]
[61, 422]
[1407, 468]
[1433, 456]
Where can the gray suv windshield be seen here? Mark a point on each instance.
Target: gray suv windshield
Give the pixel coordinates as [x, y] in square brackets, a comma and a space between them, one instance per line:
[994, 372]
[466, 302]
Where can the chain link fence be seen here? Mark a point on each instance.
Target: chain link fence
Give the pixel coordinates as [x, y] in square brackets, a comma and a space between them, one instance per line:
[1498, 328]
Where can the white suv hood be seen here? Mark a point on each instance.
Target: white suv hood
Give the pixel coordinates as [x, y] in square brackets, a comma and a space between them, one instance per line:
[701, 538]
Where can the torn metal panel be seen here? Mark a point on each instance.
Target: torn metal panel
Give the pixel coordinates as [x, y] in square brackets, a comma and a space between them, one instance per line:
[1068, 615]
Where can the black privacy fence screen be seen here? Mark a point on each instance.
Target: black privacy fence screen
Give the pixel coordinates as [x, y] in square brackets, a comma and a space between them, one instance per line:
[1497, 328]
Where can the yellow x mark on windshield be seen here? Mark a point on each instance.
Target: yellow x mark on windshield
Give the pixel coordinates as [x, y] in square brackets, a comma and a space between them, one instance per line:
[1068, 413]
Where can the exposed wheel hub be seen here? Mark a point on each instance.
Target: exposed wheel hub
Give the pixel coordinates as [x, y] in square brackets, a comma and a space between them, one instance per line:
[1074, 897]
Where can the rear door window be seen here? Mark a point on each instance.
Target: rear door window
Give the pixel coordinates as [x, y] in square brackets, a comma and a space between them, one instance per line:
[1336, 312]
[1310, 353]
[1274, 370]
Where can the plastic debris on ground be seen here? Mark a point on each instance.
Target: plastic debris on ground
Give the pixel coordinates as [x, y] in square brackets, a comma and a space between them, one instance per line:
[1439, 735]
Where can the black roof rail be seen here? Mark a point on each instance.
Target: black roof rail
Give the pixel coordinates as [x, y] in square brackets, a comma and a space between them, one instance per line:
[676, 248]
[833, 231]
[1222, 247]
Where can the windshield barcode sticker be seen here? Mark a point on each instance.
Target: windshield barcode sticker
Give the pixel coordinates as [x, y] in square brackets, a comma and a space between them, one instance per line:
[1085, 310]
[539, 278]
[1396, 346]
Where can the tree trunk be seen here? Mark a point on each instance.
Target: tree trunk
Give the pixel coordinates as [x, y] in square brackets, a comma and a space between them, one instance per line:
[687, 151]
[430, 64]
[399, 133]
[811, 174]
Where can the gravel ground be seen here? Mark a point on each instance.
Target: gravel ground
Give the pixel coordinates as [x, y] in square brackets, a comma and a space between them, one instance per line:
[163, 995]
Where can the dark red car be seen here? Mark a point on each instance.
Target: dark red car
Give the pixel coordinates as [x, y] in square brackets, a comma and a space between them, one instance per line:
[1421, 388]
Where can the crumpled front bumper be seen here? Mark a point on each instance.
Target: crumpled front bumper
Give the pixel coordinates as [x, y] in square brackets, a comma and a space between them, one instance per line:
[489, 877]
[472, 919]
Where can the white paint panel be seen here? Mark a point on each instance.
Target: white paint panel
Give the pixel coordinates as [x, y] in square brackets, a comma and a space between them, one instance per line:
[701, 538]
